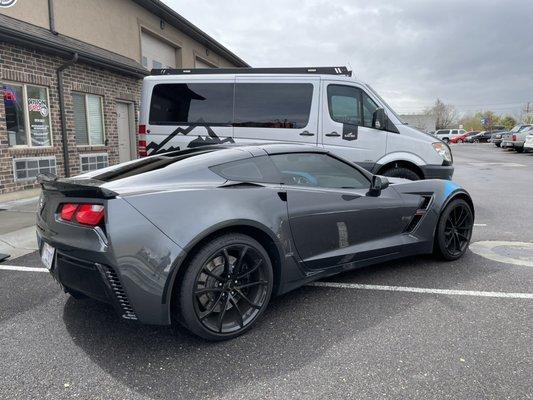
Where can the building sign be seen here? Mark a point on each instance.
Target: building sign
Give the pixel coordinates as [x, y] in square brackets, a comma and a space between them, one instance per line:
[7, 3]
[39, 116]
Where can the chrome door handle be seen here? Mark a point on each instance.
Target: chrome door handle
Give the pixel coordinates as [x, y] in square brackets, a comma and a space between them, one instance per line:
[306, 133]
[332, 134]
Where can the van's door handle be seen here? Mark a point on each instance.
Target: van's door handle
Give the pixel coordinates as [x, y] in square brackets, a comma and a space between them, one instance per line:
[332, 134]
[307, 133]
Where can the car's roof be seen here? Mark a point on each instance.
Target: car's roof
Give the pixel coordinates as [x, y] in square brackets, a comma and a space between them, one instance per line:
[257, 149]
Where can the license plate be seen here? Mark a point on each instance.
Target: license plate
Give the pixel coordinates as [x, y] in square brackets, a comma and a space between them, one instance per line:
[47, 255]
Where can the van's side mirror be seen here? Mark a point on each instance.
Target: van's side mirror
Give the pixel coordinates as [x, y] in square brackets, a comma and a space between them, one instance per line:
[379, 119]
[378, 184]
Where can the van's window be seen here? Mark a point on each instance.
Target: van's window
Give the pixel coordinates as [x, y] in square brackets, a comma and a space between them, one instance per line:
[254, 169]
[369, 106]
[318, 170]
[344, 104]
[273, 105]
[193, 103]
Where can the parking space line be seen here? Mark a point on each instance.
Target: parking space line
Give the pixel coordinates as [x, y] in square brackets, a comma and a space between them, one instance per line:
[480, 224]
[449, 292]
[19, 268]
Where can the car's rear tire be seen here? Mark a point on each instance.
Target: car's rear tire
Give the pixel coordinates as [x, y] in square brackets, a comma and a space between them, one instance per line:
[459, 141]
[226, 287]
[402, 172]
[497, 144]
[445, 140]
[454, 230]
[519, 149]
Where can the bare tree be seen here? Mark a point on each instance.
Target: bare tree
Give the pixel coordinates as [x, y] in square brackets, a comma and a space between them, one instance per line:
[445, 114]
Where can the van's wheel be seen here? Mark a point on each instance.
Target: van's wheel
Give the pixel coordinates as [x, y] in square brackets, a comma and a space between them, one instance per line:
[402, 172]
[226, 287]
[454, 230]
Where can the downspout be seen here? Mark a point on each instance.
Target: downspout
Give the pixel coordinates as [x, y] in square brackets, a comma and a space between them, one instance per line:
[52, 17]
[61, 95]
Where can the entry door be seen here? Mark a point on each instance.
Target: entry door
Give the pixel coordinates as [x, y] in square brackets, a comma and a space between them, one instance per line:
[276, 109]
[346, 126]
[125, 133]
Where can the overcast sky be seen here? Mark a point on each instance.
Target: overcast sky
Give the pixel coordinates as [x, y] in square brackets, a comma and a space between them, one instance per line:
[473, 54]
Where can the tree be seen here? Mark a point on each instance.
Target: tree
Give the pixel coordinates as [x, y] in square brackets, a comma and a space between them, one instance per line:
[445, 114]
[508, 122]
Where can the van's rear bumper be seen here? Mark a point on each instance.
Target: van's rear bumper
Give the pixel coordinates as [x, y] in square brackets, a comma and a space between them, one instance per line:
[437, 171]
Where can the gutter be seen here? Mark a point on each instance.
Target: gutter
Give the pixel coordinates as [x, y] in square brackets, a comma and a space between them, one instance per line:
[61, 95]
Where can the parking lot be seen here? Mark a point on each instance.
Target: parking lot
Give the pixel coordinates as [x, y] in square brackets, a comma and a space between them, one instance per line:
[415, 328]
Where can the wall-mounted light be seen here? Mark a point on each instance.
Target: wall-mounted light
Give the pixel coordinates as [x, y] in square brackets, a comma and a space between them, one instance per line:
[162, 24]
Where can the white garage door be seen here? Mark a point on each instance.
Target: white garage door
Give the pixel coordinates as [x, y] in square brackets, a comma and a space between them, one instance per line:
[156, 53]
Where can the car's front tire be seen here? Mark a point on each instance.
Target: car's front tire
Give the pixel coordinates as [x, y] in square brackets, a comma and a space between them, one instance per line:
[454, 230]
[226, 287]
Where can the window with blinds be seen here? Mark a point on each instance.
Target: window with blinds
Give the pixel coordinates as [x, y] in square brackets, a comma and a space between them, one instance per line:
[88, 119]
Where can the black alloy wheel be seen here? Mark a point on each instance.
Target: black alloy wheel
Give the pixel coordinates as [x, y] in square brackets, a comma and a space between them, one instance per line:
[454, 230]
[226, 287]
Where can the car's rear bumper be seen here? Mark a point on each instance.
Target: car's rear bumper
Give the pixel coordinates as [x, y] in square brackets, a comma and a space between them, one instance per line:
[437, 171]
[128, 266]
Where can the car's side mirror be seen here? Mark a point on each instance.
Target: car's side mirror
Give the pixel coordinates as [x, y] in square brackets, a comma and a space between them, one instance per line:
[378, 184]
[379, 119]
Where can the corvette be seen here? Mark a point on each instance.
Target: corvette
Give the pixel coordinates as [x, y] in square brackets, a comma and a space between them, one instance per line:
[203, 238]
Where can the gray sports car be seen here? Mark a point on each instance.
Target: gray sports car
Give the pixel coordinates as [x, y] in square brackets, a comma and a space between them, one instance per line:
[204, 237]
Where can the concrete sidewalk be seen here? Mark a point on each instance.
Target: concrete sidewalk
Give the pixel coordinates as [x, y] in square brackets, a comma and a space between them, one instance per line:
[17, 223]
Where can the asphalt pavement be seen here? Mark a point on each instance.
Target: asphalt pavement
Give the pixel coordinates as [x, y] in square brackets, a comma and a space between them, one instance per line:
[417, 328]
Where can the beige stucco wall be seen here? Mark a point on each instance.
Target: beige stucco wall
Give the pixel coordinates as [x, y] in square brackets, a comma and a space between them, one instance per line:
[114, 25]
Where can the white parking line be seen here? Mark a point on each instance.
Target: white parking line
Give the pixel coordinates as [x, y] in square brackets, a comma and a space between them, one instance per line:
[480, 224]
[449, 292]
[19, 268]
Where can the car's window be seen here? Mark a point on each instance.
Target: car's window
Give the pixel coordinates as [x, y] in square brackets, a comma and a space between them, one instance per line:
[369, 106]
[344, 103]
[254, 169]
[318, 170]
[524, 128]
[443, 132]
[185, 104]
[273, 105]
[454, 132]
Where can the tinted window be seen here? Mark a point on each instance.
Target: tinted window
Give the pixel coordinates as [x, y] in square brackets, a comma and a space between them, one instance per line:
[318, 170]
[443, 132]
[344, 104]
[185, 104]
[272, 105]
[255, 169]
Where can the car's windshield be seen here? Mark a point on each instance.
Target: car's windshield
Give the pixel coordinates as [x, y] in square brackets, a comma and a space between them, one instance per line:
[524, 128]
[516, 128]
[384, 103]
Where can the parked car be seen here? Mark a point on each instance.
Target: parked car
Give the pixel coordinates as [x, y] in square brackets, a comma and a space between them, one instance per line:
[481, 137]
[203, 237]
[528, 144]
[498, 137]
[446, 135]
[515, 140]
[462, 138]
[325, 107]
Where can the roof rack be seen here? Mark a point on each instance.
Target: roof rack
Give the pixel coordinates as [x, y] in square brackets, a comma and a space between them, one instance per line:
[301, 70]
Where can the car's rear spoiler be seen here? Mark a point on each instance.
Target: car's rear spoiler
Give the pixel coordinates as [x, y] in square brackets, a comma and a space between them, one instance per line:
[75, 187]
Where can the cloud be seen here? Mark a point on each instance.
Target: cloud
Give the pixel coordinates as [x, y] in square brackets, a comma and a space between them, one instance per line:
[475, 54]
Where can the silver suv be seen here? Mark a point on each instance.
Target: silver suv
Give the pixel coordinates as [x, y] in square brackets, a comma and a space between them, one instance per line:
[446, 134]
[515, 140]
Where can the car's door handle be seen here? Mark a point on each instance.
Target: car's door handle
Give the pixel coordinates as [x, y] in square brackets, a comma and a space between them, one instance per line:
[306, 133]
[332, 134]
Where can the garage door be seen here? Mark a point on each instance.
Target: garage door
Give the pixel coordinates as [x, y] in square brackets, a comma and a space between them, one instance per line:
[157, 53]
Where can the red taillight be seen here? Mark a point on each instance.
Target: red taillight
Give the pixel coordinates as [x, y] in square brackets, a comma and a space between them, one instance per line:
[68, 210]
[514, 138]
[85, 214]
[142, 141]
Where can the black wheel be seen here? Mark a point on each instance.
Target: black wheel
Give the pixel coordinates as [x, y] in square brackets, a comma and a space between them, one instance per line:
[519, 149]
[446, 140]
[497, 144]
[225, 288]
[402, 172]
[454, 230]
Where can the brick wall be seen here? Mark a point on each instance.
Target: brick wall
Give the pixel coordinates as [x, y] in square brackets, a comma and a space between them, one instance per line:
[21, 65]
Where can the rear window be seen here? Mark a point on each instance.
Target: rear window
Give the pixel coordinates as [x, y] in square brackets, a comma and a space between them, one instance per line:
[272, 105]
[255, 169]
[193, 103]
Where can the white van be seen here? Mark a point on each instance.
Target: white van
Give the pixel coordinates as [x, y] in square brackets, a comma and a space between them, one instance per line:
[325, 107]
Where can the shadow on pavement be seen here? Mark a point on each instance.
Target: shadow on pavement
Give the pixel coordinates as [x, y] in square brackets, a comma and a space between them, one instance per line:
[297, 329]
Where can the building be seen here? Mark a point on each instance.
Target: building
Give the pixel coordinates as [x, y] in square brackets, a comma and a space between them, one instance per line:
[423, 122]
[71, 74]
